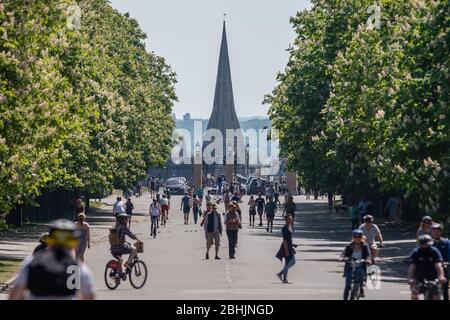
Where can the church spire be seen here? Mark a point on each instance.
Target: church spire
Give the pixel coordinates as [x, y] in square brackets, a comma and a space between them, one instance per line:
[224, 115]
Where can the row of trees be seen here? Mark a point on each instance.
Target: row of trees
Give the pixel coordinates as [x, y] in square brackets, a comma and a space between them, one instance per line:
[364, 109]
[83, 105]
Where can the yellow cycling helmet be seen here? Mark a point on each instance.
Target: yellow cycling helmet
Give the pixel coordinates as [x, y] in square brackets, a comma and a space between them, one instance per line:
[63, 233]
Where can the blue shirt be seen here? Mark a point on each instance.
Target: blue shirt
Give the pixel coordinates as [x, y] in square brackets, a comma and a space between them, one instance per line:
[444, 248]
[424, 260]
[185, 201]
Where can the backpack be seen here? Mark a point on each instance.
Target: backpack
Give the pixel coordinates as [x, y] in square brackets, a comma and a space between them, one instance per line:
[114, 239]
[48, 274]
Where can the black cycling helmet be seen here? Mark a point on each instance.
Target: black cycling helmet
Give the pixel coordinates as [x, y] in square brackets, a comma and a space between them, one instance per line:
[368, 218]
[425, 240]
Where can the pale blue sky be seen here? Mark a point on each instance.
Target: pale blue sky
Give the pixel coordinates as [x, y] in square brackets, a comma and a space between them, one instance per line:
[188, 33]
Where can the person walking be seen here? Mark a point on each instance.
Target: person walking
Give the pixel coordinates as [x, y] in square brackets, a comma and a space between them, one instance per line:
[289, 209]
[354, 216]
[252, 210]
[164, 209]
[186, 207]
[260, 204]
[118, 207]
[155, 212]
[232, 222]
[84, 240]
[195, 207]
[212, 225]
[286, 250]
[363, 208]
[78, 208]
[330, 201]
[393, 207]
[270, 209]
[129, 207]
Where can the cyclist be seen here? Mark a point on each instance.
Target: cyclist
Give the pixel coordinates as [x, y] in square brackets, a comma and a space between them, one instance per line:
[425, 227]
[260, 204]
[358, 249]
[46, 274]
[371, 232]
[124, 247]
[443, 245]
[426, 264]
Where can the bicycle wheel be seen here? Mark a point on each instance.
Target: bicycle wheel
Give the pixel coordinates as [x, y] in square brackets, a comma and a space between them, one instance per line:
[138, 274]
[112, 280]
[354, 295]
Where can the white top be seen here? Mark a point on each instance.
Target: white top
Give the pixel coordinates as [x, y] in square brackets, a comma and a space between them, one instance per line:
[119, 207]
[155, 210]
[370, 234]
[87, 286]
[164, 201]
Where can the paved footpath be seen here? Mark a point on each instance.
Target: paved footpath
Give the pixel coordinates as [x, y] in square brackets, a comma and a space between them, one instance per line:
[178, 269]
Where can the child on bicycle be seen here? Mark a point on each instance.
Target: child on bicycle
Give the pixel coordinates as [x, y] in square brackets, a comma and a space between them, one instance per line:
[357, 250]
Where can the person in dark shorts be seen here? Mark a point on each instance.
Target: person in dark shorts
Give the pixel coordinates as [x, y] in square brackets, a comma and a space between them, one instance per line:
[270, 209]
[252, 210]
[186, 207]
[260, 204]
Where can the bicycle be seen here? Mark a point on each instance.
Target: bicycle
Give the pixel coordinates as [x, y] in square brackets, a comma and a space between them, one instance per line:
[137, 270]
[428, 287]
[357, 279]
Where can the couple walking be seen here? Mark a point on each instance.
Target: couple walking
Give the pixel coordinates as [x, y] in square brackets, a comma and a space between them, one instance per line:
[212, 224]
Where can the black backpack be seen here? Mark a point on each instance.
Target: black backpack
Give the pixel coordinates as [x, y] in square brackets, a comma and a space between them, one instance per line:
[48, 274]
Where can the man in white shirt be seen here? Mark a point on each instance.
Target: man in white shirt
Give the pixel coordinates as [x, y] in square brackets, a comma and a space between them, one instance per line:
[119, 207]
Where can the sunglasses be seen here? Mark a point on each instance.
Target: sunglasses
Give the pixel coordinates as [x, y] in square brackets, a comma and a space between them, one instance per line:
[357, 236]
[427, 222]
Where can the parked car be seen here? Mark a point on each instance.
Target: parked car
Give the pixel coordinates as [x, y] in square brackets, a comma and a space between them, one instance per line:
[252, 187]
[176, 186]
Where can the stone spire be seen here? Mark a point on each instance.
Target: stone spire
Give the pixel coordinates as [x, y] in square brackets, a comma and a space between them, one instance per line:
[223, 115]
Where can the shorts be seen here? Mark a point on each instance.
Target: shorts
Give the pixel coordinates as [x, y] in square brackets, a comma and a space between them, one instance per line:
[270, 216]
[260, 212]
[119, 251]
[211, 238]
[418, 288]
[186, 210]
[165, 207]
[252, 212]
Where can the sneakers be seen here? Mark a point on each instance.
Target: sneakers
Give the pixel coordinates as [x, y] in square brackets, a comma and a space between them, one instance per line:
[286, 281]
[217, 258]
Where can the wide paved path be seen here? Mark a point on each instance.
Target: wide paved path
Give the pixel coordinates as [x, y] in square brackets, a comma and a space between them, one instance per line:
[178, 269]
